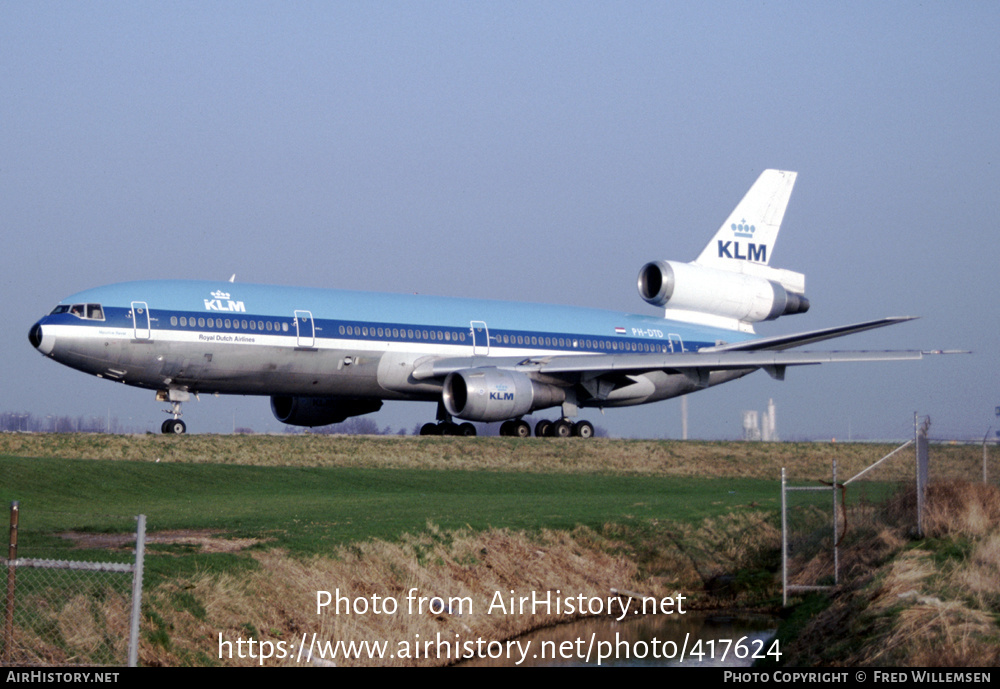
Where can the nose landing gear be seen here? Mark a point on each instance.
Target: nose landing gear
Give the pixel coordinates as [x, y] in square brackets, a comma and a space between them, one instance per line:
[173, 426]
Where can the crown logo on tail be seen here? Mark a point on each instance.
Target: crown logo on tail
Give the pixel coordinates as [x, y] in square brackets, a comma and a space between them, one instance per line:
[742, 229]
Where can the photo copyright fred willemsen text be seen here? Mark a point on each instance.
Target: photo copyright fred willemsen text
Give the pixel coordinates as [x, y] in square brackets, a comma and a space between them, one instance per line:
[311, 649]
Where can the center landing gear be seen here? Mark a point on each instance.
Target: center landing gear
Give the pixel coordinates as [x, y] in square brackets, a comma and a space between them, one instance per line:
[515, 428]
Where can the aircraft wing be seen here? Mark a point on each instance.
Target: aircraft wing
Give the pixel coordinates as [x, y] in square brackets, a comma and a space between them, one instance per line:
[766, 353]
[795, 340]
[638, 363]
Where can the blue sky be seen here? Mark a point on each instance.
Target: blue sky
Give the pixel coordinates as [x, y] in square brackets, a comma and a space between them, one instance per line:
[539, 151]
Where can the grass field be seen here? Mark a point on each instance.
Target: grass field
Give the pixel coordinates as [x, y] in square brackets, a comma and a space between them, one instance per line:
[309, 511]
[310, 494]
[285, 515]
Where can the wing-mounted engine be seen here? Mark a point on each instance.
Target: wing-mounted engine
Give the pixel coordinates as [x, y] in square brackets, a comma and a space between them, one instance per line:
[319, 411]
[728, 298]
[491, 394]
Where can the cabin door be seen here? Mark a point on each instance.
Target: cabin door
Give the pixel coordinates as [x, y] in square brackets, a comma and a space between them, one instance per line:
[480, 339]
[305, 331]
[140, 320]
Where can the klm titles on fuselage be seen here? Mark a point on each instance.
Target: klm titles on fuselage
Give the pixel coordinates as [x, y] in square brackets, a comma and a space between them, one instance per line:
[220, 301]
[502, 396]
[732, 249]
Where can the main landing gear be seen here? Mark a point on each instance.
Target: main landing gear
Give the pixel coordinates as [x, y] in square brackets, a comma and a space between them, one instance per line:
[445, 426]
[448, 428]
[560, 428]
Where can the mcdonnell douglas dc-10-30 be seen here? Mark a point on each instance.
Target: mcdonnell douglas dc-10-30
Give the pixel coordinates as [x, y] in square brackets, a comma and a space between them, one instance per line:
[324, 355]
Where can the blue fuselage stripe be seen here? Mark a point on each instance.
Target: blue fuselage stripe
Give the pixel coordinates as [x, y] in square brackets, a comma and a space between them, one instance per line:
[234, 309]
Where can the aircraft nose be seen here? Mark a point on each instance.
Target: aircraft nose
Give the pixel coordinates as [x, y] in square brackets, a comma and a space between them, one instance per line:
[39, 340]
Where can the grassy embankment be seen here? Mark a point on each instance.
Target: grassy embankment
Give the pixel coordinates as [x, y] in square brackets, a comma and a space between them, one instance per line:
[257, 524]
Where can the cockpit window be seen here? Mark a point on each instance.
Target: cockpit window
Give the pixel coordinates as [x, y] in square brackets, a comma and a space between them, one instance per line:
[93, 312]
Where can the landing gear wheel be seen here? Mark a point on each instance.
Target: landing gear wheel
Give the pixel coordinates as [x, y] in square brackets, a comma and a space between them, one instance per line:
[583, 429]
[561, 429]
[542, 428]
[507, 428]
[521, 429]
[173, 427]
[430, 429]
[467, 429]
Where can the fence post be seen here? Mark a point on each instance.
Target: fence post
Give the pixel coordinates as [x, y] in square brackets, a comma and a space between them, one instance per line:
[8, 626]
[923, 478]
[140, 551]
[784, 542]
[836, 529]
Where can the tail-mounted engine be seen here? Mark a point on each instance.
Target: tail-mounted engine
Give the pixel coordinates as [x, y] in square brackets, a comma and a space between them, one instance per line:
[743, 296]
[491, 394]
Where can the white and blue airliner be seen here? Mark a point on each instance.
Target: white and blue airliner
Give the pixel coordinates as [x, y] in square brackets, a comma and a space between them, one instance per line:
[324, 355]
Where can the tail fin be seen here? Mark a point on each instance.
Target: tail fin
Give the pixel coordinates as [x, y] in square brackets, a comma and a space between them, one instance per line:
[749, 234]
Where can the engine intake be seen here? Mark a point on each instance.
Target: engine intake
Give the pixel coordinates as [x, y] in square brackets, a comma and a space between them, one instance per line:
[491, 394]
[319, 411]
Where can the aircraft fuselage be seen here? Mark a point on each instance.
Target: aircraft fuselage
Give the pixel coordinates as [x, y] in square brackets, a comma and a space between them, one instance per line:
[246, 339]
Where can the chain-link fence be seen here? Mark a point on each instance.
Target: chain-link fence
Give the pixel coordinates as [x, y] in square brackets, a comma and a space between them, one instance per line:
[71, 613]
[834, 527]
